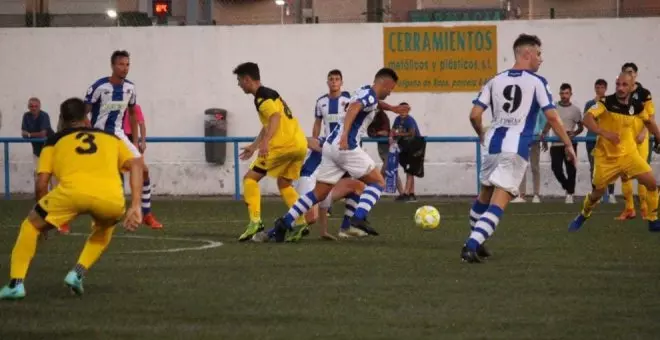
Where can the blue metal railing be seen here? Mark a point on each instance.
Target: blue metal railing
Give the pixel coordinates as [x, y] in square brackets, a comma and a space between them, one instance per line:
[236, 140]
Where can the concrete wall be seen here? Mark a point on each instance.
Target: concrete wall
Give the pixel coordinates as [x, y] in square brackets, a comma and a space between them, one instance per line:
[181, 71]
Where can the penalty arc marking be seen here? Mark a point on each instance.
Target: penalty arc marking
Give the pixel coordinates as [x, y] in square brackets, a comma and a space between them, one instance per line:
[206, 244]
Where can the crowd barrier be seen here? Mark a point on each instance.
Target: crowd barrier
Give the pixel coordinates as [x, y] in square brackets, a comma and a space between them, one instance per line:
[6, 141]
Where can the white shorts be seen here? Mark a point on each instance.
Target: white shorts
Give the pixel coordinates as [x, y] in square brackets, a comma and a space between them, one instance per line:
[129, 144]
[503, 170]
[335, 163]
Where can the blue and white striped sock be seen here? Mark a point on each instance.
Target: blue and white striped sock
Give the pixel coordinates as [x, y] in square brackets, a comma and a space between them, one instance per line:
[146, 197]
[302, 205]
[485, 227]
[351, 202]
[476, 211]
[368, 199]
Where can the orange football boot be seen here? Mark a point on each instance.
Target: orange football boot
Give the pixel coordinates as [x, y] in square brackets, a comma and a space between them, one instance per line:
[151, 221]
[627, 214]
[64, 229]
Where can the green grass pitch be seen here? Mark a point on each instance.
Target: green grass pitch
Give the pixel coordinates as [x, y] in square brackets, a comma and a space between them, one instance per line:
[542, 283]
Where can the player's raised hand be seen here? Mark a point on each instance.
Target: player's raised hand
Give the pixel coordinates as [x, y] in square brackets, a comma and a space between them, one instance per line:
[133, 218]
[614, 138]
[570, 154]
[247, 152]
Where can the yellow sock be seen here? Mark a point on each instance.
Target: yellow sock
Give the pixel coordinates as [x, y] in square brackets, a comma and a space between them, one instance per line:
[290, 196]
[588, 205]
[24, 249]
[627, 189]
[652, 205]
[96, 243]
[252, 197]
[642, 194]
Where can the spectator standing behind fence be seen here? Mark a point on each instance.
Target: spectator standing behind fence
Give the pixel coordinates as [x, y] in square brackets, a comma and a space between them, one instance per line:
[379, 128]
[600, 87]
[412, 148]
[35, 125]
[534, 161]
[571, 117]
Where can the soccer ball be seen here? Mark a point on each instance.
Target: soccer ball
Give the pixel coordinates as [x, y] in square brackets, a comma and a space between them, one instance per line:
[427, 217]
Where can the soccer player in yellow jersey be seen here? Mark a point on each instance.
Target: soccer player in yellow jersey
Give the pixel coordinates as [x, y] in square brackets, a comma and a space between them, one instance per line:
[643, 146]
[281, 146]
[86, 162]
[616, 152]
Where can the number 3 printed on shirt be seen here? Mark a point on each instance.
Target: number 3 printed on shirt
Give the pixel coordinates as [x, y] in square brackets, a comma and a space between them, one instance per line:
[513, 95]
[88, 140]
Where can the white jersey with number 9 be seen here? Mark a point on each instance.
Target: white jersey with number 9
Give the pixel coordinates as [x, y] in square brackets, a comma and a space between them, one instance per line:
[514, 97]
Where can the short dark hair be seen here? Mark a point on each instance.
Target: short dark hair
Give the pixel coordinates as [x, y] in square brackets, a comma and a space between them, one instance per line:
[72, 109]
[386, 72]
[601, 81]
[565, 86]
[335, 72]
[629, 65]
[249, 69]
[526, 40]
[119, 54]
[404, 103]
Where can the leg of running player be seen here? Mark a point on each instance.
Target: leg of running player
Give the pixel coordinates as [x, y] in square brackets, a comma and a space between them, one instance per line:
[350, 189]
[97, 242]
[252, 198]
[647, 179]
[628, 212]
[22, 254]
[149, 219]
[299, 208]
[290, 196]
[374, 188]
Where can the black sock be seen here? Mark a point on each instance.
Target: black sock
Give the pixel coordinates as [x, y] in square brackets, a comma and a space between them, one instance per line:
[80, 270]
[15, 282]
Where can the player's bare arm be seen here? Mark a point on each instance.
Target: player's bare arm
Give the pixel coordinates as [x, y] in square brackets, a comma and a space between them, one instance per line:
[313, 144]
[591, 124]
[555, 123]
[249, 150]
[476, 116]
[316, 130]
[133, 216]
[41, 185]
[398, 109]
[143, 135]
[653, 128]
[273, 124]
[351, 113]
[132, 120]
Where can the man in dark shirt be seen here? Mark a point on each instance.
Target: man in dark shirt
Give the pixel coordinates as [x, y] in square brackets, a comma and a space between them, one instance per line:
[36, 125]
[411, 157]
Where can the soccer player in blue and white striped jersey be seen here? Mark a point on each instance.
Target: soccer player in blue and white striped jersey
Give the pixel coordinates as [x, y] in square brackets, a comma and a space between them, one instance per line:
[514, 98]
[342, 154]
[331, 107]
[107, 100]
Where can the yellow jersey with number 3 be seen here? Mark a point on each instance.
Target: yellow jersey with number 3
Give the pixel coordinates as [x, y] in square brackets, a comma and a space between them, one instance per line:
[86, 160]
[618, 118]
[289, 133]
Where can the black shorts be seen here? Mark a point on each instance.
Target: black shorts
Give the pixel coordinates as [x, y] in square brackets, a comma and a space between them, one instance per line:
[411, 156]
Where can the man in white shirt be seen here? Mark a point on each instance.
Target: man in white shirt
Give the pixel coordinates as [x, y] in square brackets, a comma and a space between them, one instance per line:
[571, 117]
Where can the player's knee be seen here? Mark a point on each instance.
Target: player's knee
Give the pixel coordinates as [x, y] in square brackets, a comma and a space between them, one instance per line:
[283, 182]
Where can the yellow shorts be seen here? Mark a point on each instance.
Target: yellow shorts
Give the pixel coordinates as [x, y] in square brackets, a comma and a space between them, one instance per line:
[607, 170]
[285, 163]
[644, 148]
[61, 206]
